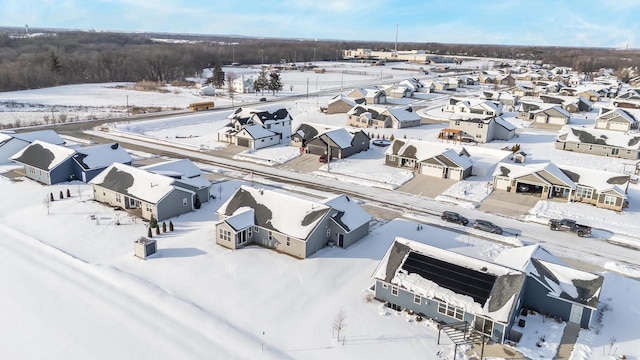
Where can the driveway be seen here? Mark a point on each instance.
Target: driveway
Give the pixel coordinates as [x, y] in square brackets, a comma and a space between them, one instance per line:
[509, 204]
[427, 186]
[305, 163]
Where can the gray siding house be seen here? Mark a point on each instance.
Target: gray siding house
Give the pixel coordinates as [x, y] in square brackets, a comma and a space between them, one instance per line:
[301, 228]
[432, 159]
[599, 142]
[340, 142]
[482, 129]
[187, 172]
[451, 288]
[11, 143]
[616, 119]
[142, 193]
[46, 163]
[90, 161]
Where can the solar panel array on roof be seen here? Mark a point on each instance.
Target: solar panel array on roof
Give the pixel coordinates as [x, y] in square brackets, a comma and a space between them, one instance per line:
[458, 279]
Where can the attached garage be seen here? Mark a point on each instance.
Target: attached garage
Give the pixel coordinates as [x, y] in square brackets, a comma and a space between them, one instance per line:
[243, 142]
[502, 183]
[557, 120]
[455, 173]
[432, 170]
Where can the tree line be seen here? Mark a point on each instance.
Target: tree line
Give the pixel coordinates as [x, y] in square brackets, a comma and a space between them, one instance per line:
[72, 57]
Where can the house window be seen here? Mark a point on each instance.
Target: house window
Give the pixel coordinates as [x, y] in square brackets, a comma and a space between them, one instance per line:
[118, 198]
[249, 231]
[582, 191]
[328, 232]
[270, 236]
[385, 285]
[479, 136]
[288, 241]
[480, 125]
[184, 202]
[615, 151]
[609, 200]
[457, 123]
[417, 299]
[225, 235]
[394, 290]
[262, 140]
[392, 158]
[451, 311]
[256, 229]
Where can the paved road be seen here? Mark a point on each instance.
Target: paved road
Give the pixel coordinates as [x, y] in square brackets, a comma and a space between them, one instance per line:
[593, 250]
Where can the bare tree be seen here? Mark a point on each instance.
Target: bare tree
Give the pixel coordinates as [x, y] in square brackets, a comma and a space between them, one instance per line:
[339, 323]
[47, 203]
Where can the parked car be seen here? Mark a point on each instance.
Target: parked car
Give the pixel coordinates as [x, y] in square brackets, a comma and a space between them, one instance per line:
[323, 158]
[263, 99]
[569, 225]
[454, 217]
[488, 226]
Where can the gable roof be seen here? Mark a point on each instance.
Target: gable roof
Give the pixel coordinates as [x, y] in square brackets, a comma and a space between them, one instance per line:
[597, 179]
[257, 131]
[617, 113]
[403, 113]
[342, 98]
[505, 124]
[48, 136]
[183, 169]
[350, 215]
[308, 131]
[514, 171]
[587, 135]
[43, 155]
[101, 156]
[340, 137]
[477, 286]
[135, 182]
[519, 258]
[297, 219]
[567, 283]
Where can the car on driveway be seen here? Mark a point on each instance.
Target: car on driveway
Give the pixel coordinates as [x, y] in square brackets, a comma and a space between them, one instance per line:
[487, 226]
[323, 158]
[454, 217]
[263, 99]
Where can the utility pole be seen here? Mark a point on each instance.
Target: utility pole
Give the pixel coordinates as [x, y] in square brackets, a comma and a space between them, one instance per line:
[314, 56]
[307, 88]
[261, 57]
[127, 105]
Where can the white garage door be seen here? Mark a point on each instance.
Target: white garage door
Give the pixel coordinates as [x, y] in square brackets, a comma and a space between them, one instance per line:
[431, 170]
[455, 174]
[557, 120]
[502, 183]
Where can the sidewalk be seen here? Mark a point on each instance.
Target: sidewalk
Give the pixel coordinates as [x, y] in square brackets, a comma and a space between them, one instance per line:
[568, 341]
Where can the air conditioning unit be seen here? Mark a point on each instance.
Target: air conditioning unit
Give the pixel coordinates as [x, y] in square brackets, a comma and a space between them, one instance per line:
[144, 247]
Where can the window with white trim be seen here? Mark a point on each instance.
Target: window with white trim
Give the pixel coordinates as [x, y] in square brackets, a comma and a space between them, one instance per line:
[328, 232]
[582, 191]
[256, 229]
[118, 197]
[385, 285]
[250, 231]
[417, 299]
[270, 236]
[394, 290]
[288, 241]
[609, 200]
[451, 311]
[184, 202]
[225, 235]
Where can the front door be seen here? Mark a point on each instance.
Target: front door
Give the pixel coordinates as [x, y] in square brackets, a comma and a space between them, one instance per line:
[576, 314]
[340, 240]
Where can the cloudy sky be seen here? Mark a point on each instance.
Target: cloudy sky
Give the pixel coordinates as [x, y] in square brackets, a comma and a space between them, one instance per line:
[541, 22]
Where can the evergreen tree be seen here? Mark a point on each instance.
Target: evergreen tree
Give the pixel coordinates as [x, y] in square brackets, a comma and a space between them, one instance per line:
[54, 63]
[275, 83]
[391, 138]
[149, 233]
[170, 226]
[164, 227]
[157, 229]
[196, 203]
[68, 193]
[262, 82]
[153, 222]
[51, 196]
[218, 77]
[61, 195]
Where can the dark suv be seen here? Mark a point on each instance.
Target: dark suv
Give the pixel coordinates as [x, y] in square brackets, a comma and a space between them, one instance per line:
[454, 217]
[488, 226]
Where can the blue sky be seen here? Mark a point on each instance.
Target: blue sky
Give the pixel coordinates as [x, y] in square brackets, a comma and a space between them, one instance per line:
[596, 23]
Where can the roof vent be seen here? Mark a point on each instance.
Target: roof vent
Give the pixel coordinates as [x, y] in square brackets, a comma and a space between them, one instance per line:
[484, 269]
[114, 146]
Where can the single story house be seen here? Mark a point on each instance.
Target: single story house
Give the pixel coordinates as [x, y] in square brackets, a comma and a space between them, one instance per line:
[432, 159]
[371, 96]
[12, 142]
[299, 229]
[452, 288]
[616, 119]
[340, 142]
[91, 160]
[602, 189]
[599, 142]
[341, 104]
[46, 163]
[143, 193]
[473, 106]
[449, 287]
[553, 115]
[187, 172]
[403, 117]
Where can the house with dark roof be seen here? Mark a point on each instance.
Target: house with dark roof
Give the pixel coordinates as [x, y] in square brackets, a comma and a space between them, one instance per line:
[629, 100]
[257, 217]
[257, 129]
[365, 116]
[432, 159]
[606, 190]
[449, 287]
[319, 139]
[599, 142]
[187, 172]
[489, 297]
[143, 193]
[11, 142]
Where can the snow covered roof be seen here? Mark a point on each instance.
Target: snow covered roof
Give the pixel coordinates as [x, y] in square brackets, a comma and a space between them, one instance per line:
[257, 131]
[519, 258]
[48, 136]
[515, 171]
[403, 113]
[43, 155]
[342, 98]
[341, 137]
[568, 283]
[135, 182]
[477, 286]
[297, 218]
[597, 179]
[587, 135]
[423, 150]
[241, 219]
[183, 169]
[619, 113]
[308, 131]
[505, 124]
[101, 156]
[350, 215]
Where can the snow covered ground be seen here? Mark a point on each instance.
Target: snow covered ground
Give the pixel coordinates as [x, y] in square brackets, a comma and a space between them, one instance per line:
[76, 288]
